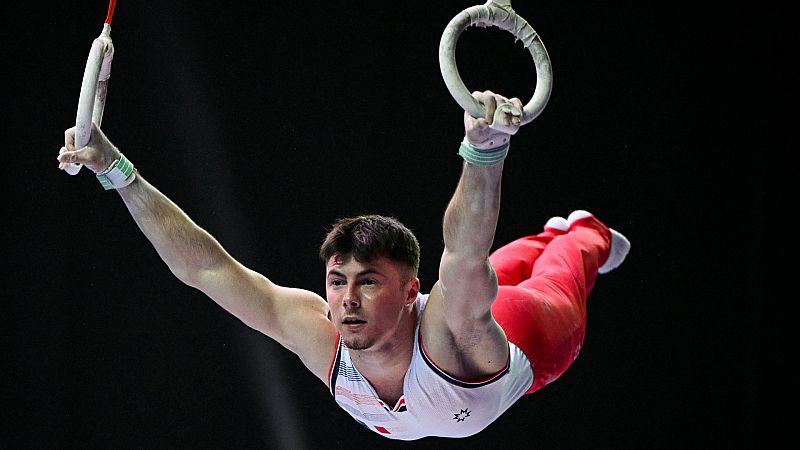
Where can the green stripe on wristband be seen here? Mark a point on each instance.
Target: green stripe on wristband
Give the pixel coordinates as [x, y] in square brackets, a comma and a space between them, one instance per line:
[105, 183]
[125, 166]
[481, 157]
[119, 174]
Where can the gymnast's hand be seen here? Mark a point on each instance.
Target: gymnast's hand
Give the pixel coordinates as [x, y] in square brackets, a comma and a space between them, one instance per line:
[97, 156]
[481, 132]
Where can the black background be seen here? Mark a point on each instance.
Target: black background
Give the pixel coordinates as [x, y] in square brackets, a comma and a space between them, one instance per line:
[267, 121]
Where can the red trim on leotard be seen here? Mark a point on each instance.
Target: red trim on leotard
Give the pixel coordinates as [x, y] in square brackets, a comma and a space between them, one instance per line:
[334, 361]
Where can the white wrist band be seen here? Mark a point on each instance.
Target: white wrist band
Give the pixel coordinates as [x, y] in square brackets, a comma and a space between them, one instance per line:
[480, 156]
[119, 174]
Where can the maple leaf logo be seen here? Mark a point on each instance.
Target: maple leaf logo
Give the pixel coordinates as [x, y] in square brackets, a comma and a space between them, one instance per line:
[461, 416]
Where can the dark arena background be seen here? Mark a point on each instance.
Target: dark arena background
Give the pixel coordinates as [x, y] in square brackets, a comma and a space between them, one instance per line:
[267, 121]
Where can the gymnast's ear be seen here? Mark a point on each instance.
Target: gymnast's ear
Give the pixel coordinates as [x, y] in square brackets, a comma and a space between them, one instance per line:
[411, 289]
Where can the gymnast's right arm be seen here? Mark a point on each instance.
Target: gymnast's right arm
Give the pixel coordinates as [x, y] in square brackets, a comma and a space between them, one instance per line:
[295, 318]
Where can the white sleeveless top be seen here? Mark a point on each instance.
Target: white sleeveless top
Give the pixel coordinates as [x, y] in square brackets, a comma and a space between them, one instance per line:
[433, 403]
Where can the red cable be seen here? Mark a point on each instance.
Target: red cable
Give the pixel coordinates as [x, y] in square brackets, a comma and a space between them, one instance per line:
[111, 4]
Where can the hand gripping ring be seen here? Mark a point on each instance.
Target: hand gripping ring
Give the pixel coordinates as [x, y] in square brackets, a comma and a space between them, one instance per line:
[500, 14]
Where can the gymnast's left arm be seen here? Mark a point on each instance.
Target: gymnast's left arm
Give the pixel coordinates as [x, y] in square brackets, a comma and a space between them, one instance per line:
[458, 317]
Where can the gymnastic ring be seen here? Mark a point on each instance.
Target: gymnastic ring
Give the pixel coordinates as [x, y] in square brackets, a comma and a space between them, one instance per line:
[94, 89]
[500, 14]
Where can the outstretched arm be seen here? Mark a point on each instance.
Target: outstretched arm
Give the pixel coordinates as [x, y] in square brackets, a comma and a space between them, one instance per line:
[470, 220]
[459, 320]
[469, 227]
[295, 318]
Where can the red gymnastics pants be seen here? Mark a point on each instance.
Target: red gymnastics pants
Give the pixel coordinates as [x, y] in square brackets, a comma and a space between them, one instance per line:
[544, 281]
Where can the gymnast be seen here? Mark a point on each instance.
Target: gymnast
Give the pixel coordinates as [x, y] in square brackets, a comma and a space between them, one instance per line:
[406, 365]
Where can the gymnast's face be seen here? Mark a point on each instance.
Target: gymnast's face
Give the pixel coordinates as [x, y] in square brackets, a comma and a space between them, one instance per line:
[370, 302]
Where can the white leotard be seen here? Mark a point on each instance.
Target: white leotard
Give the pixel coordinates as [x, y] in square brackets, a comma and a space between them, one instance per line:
[433, 403]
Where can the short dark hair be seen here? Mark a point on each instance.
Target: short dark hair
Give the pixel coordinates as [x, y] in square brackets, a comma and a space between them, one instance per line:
[370, 236]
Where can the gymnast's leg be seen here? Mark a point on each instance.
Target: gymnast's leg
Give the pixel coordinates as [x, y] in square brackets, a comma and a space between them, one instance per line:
[545, 280]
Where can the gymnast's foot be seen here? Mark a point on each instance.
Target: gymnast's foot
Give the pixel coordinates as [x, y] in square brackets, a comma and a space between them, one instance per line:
[620, 245]
[558, 224]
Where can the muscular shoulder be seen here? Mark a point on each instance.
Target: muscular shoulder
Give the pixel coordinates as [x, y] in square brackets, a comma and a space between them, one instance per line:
[467, 348]
[303, 327]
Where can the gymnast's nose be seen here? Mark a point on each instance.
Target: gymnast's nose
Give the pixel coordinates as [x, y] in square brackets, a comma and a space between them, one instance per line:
[351, 299]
